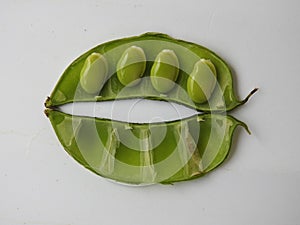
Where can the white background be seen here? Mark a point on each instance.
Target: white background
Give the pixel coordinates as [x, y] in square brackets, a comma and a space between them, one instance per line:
[259, 183]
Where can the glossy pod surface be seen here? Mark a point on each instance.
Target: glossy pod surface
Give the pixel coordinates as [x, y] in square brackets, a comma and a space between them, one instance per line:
[152, 66]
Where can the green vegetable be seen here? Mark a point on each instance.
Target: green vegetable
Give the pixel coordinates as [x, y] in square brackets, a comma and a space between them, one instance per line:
[222, 99]
[185, 152]
[174, 70]
[131, 66]
[164, 71]
[93, 73]
[202, 81]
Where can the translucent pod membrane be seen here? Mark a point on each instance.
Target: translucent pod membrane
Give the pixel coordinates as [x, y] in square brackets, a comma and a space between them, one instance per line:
[146, 153]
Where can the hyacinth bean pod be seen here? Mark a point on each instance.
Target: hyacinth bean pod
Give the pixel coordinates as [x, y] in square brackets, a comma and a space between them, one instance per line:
[186, 151]
[157, 67]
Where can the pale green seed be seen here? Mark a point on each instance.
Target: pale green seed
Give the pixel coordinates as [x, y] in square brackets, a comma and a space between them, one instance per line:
[202, 81]
[93, 73]
[131, 66]
[210, 65]
[164, 71]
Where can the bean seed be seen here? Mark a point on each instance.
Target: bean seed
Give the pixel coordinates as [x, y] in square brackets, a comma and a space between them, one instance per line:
[164, 71]
[94, 73]
[131, 66]
[202, 81]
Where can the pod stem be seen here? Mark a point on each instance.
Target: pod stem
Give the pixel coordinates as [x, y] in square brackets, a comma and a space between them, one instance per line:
[46, 111]
[245, 127]
[249, 95]
[48, 102]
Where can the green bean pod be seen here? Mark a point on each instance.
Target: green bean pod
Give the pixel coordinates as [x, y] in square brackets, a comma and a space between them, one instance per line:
[160, 68]
[185, 152]
[223, 97]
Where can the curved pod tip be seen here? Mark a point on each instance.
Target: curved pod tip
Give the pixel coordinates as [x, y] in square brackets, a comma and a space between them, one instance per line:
[249, 95]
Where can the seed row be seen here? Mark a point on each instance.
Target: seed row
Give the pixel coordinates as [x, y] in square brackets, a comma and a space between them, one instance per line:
[163, 75]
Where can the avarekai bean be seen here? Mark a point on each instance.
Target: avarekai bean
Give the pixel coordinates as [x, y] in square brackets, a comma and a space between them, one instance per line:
[94, 73]
[131, 66]
[202, 81]
[164, 71]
